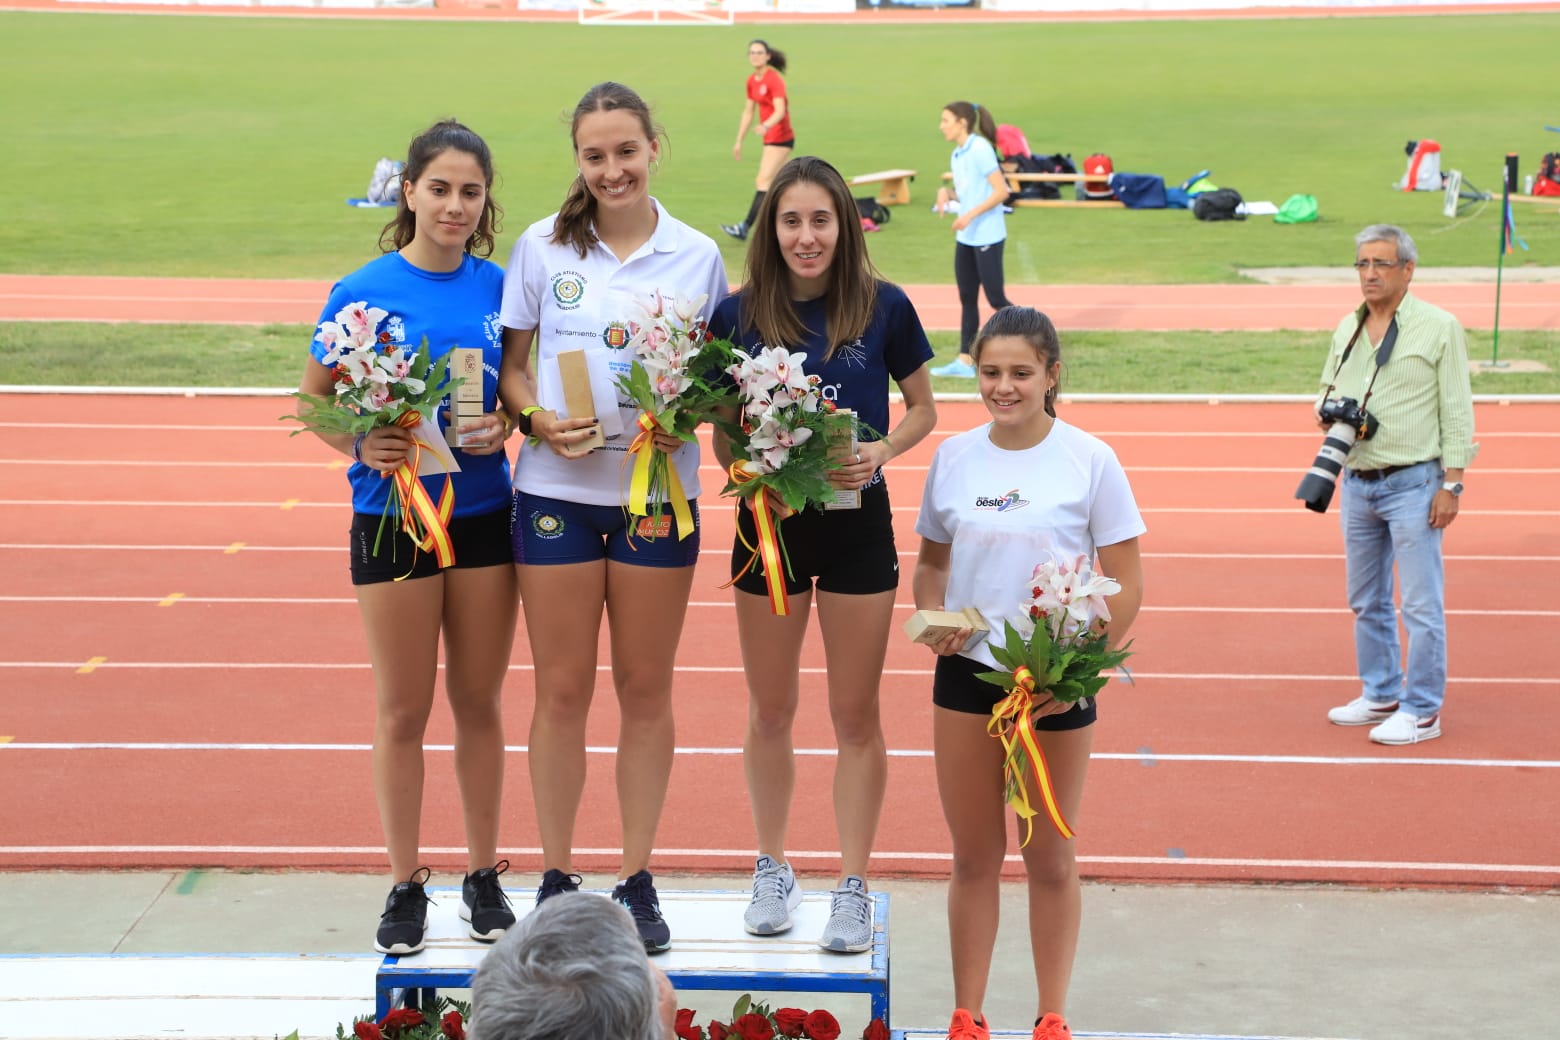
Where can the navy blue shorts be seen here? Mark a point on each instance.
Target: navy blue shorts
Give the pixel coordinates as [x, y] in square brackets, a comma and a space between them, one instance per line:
[955, 687]
[550, 531]
[849, 551]
[480, 541]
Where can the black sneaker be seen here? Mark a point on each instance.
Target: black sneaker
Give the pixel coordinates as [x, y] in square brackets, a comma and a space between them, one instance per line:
[555, 881]
[638, 894]
[405, 920]
[484, 905]
[737, 231]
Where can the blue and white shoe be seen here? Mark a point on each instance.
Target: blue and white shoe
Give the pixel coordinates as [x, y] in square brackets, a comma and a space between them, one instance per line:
[955, 369]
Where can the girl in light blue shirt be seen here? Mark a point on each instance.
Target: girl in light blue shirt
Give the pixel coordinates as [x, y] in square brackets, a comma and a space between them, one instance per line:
[979, 227]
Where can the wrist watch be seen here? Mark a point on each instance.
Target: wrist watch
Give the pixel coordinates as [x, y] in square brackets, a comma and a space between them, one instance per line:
[1454, 486]
[523, 424]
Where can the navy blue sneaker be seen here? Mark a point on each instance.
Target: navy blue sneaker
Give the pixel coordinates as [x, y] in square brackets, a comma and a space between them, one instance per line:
[555, 881]
[638, 894]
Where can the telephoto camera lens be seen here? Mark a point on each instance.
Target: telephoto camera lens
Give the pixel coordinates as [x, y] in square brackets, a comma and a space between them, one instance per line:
[1316, 487]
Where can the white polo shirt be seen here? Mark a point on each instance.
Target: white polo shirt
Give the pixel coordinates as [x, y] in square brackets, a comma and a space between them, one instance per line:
[1005, 511]
[574, 303]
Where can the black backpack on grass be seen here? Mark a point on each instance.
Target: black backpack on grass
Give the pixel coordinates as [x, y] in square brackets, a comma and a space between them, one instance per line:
[1218, 204]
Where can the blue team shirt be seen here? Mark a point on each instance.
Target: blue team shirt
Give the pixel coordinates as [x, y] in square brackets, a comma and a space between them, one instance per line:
[973, 164]
[456, 308]
[856, 377]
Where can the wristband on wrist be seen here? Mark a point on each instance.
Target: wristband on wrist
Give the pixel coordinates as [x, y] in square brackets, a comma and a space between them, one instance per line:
[357, 446]
[509, 424]
[524, 421]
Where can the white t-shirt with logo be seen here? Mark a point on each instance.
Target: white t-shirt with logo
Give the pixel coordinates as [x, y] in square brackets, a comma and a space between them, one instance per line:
[1005, 511]
[574, 303]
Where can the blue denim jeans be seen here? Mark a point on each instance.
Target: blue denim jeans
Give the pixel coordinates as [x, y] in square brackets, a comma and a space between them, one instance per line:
[1384, 521]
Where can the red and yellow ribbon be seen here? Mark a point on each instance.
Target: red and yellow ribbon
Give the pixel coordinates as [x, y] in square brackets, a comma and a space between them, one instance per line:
[1012, 723]
[768, 511]
[426, 524]
[644, 453]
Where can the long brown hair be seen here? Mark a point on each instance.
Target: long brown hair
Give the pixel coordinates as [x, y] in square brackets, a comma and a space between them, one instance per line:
[852, 279]
[979, 120]
[577, 215]
[444, 136]
[1033, 327]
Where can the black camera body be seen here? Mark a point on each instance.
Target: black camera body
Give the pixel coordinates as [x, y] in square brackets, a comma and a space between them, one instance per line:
[1349, 422]
[1348, 410]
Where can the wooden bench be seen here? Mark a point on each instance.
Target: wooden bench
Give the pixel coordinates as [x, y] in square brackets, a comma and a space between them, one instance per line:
[1016, 179]
[710, 951]
[896, 185]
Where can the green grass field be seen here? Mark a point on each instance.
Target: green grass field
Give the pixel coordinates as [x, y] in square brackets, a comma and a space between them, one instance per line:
[186, 145]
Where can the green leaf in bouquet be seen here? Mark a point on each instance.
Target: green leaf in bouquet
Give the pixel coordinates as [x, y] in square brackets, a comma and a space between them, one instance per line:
[1002, 679]
[1017, 649]
[1067, 691]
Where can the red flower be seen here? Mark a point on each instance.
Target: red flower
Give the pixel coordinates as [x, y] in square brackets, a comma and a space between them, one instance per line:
[753, 1027]
[875, 1030]
[455, 1029]
[821, 1025]
[685, 1028]
[366, 1031]
[400, 1020]
[789, 1021]
[718, 1031]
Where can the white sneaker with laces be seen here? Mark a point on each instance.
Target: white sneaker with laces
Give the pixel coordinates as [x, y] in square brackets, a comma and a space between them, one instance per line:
[775, 895]
[1407, 728]
[1361, 712]
[850, 919]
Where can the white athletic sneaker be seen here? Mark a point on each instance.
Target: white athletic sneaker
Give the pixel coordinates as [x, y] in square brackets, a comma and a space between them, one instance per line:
[850, 919]
[775, 895]
[1407, 728]
[1361, 712]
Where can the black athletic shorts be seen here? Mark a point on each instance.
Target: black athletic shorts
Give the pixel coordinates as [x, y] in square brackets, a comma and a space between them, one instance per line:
[849, 551]
[479, 541]
[955, 687]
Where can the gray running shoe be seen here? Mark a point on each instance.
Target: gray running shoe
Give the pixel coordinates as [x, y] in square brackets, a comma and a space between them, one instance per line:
[850, 919]
[775, 895]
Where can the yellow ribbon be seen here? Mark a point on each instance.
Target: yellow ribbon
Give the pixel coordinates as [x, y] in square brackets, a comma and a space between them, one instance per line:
[426, 524]
[767, 512]
[647, 460]
[1012, 723]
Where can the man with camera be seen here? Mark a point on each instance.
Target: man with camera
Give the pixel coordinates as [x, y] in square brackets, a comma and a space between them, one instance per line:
[1398, 408]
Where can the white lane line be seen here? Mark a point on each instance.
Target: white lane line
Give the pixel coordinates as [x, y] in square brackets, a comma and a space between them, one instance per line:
[312, 666]
[721, 605]
[245, 547]
[1136, 757]
[1172, 862]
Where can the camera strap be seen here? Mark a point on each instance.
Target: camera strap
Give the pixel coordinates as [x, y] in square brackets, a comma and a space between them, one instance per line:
[1383, 355]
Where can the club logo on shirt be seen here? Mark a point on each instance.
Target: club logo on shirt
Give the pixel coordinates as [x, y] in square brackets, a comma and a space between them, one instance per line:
[568, 289]
[395, 328]
[1002, 503]
[615, 335]
[546, 525]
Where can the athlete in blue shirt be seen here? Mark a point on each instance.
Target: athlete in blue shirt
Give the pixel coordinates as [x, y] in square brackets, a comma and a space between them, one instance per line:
[434, 285]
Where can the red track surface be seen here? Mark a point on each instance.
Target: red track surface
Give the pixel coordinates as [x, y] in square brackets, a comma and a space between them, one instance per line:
[1523, 305]
[175, 576]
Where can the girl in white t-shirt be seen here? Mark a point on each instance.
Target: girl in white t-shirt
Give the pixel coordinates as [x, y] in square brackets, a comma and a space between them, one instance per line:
[999, 499]
[570, 284]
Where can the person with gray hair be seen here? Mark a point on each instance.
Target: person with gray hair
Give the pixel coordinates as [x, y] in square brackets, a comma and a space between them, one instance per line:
[1405, 401]
[574, 966]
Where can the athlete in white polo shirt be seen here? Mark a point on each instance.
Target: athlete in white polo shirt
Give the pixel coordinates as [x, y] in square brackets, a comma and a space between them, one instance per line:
[569, 285]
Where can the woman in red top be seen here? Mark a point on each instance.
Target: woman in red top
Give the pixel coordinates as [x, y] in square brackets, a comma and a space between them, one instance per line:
[766, 92]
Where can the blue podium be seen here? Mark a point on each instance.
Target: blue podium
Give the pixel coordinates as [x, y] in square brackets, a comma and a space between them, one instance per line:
[710, 951]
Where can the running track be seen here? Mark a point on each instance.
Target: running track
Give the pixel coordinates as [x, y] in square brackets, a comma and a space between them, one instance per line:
[1523, 305]
[184, 678]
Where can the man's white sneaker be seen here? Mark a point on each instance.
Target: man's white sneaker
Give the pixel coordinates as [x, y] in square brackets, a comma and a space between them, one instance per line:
[775, 895]
[1361, 712]
[1407, 728]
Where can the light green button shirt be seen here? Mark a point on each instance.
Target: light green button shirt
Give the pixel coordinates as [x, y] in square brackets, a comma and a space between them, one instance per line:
[1422, 399]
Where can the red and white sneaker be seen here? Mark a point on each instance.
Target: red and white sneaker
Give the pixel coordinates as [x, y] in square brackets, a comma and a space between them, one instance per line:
[1052, 1027]
[965, 1027]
